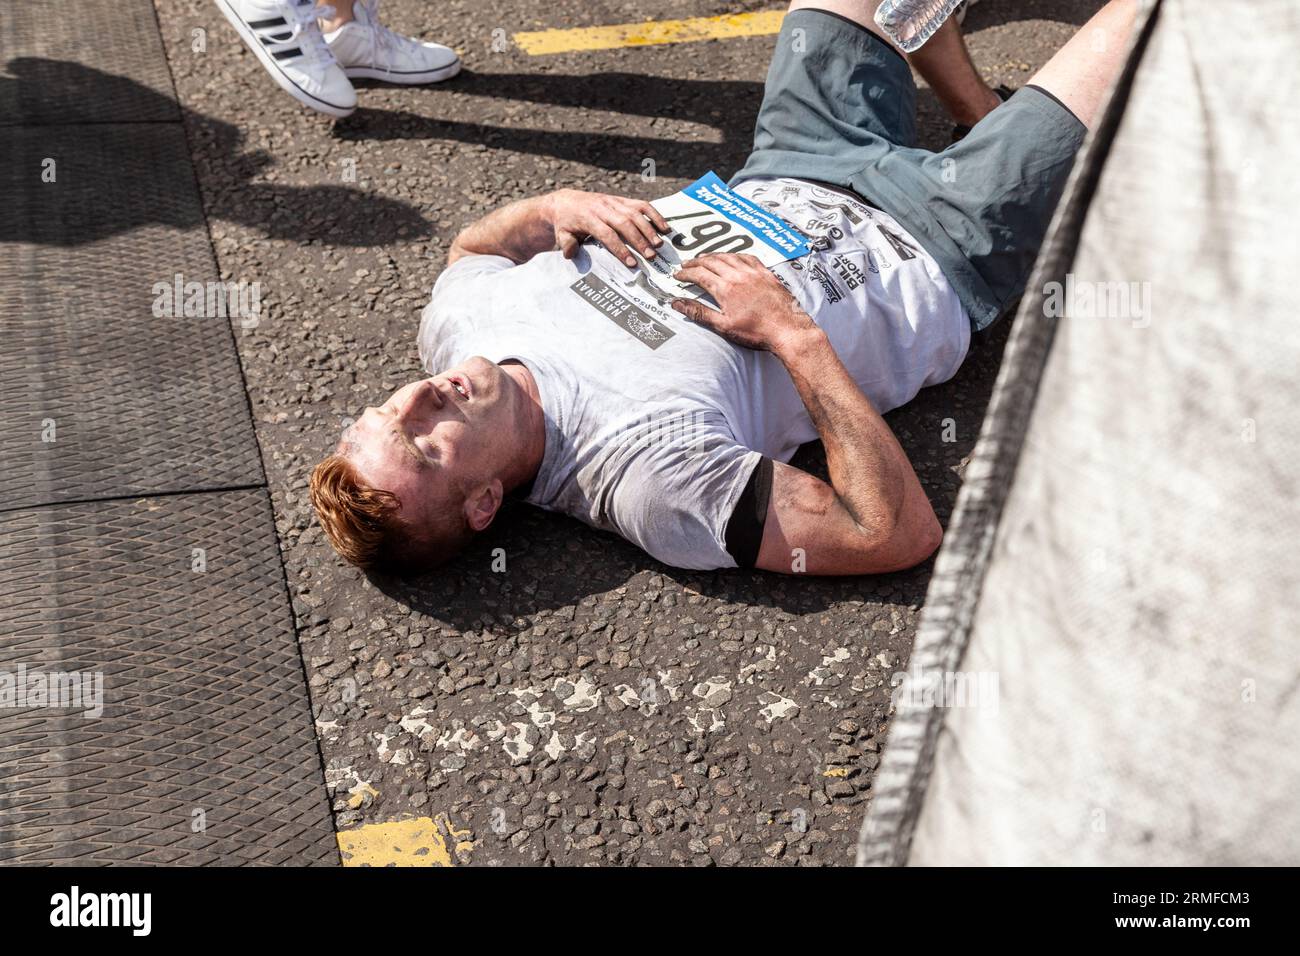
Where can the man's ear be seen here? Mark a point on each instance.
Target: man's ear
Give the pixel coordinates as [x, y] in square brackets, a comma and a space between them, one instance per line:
[482, 504]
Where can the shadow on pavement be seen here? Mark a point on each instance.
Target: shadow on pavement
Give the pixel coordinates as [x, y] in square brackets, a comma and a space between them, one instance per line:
[338, 214]
[564, 563]
[629, 94]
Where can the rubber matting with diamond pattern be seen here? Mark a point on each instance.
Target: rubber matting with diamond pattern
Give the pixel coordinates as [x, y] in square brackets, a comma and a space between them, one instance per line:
[82, 61]
[140, 576]
[205, 751]
[102, 397]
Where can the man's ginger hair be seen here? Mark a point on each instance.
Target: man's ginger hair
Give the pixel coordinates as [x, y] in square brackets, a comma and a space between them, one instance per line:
[365, 527]
[360, 521]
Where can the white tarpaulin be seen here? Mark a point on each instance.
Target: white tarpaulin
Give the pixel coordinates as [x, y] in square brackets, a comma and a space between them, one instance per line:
[1123, 558]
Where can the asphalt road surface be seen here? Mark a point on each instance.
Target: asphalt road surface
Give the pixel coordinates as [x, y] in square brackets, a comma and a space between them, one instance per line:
[585, 704]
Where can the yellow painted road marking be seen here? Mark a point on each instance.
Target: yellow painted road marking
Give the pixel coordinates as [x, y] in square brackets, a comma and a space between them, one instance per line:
[418, 842]
[763, 23]
[359, 794]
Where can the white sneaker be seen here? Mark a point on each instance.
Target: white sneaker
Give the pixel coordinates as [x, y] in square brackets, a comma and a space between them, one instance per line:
[286, 39]
[364, 47]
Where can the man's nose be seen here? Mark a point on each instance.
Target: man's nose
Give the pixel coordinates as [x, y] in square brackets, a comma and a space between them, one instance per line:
[418, 396]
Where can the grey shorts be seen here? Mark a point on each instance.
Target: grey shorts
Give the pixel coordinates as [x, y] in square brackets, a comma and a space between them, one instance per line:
[840, 107]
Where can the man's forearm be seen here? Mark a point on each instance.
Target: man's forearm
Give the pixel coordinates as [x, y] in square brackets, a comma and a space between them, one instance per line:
[872, 482]
[518, 231]
[868, 469]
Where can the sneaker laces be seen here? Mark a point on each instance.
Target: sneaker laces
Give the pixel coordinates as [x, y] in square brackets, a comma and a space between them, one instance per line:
[382, 40]
[305, 32]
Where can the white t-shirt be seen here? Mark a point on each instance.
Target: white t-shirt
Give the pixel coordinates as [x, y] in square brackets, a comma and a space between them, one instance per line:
[653, 423]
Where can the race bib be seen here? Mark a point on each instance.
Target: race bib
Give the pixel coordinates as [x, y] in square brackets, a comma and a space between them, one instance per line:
[706, 218]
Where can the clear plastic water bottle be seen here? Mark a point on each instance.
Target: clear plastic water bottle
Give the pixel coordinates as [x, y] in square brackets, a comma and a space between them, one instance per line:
[909, 23]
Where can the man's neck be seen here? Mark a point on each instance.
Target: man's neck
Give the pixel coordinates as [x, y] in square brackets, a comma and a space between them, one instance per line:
[524, 467]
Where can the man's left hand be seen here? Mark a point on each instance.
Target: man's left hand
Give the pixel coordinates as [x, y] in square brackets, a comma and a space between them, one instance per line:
[757, 311]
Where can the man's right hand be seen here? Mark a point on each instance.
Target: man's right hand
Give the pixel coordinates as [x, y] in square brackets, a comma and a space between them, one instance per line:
[614, 221]
[874, 516]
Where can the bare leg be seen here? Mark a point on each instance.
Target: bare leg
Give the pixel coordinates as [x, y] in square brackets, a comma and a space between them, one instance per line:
[342, 15]
[1080, 73]
[943, 61]
[947, 67]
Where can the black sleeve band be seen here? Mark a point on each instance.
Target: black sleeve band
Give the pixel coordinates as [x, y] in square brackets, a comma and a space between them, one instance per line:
[744, 534]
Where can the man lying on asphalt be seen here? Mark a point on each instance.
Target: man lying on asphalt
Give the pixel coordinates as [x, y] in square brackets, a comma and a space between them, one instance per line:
[673, 426]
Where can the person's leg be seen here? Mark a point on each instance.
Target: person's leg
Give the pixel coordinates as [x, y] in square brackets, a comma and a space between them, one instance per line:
[993, 193]
[367, 49]
[837, 97]
[286, 41]
[1080, 73]
[946, 65]
[944, 61]
[342, 14]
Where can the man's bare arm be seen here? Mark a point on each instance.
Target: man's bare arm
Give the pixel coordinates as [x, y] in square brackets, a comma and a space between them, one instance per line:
[563, 219]
[518, 231]
[874, 516]
[872, 482]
